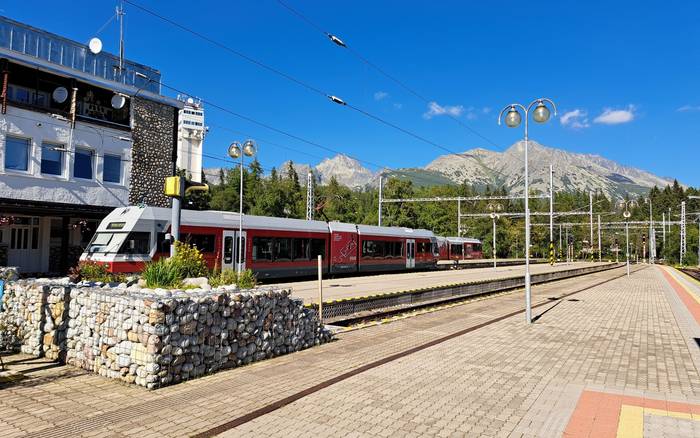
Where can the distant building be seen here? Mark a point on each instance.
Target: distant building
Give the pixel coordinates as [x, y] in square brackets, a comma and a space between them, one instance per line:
[78, 137]
[191, 132]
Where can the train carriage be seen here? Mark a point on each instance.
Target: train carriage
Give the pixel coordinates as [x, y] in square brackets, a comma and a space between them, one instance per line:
[461, 248]
[272, 247]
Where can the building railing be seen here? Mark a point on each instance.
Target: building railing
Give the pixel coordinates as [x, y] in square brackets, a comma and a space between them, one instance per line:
[27, 40]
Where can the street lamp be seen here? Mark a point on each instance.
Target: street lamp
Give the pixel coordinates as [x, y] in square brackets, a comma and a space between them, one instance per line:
[512, 120]
[235, 151]
[626, 205]
[494, 208]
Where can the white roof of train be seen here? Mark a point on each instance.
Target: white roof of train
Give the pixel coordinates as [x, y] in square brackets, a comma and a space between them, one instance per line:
[227, 219]
[372, 230]
[458, 240]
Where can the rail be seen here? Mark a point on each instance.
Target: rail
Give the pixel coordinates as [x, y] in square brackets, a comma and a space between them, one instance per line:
[366, 306]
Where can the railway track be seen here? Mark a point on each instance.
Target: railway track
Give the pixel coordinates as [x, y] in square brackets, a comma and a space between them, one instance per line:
[695, 273]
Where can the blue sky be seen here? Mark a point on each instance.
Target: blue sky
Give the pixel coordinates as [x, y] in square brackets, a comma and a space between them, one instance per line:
[625, 75]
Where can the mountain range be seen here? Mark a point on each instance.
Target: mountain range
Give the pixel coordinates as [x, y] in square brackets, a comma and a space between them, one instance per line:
[482, 167]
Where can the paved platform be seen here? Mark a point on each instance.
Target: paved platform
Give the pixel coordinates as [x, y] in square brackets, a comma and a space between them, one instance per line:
[359, 286]
[606, 356]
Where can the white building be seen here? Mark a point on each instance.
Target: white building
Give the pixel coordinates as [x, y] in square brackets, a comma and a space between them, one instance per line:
[191, 132]
[78, 137]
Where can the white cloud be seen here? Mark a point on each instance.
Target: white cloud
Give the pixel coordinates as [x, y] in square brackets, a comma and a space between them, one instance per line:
[576, 119]
[437, 110]
[398, 106]
[611, 116]
[486, 110]
[688, 108]
[379, 95]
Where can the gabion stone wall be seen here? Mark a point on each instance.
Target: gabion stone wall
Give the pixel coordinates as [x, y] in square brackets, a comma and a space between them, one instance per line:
[37, 312]
[153, 340]
[153, 135]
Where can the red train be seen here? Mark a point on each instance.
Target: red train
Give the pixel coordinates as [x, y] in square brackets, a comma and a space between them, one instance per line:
[272, 247]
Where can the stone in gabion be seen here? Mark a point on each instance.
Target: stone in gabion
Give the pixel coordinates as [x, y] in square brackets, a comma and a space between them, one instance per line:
[155, 338]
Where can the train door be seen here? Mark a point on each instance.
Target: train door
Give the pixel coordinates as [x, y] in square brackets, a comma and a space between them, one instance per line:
[228, 250]
[242, 239]
[410, 253]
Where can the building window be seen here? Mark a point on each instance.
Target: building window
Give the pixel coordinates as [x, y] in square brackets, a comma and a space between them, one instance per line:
[51, 159]
[17, 153]
[82, 167]
[112, 169]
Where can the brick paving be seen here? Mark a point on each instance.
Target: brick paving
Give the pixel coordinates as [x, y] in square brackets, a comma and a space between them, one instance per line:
[627, 337]
[365, 285]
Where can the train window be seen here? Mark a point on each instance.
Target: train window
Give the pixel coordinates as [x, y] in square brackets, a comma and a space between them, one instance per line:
[477, 247]
[283, 249]
[468, 249]
[317, 247]
[203, 242]
[228, 250]
[456, 249]
[300, 249]
[397, 249]
[369, 248]
[262, 248]
[162, 243]
[137, 242]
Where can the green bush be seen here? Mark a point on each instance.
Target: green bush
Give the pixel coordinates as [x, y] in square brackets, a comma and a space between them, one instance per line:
[189, 261]
[225, 277]
[162, 273]
[247, 280]
[93, 271]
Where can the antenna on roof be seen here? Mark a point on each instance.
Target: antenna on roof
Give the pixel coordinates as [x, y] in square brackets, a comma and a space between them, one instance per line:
[120, 14]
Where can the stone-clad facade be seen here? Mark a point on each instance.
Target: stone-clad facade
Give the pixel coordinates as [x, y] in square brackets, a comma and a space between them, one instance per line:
[154, 142]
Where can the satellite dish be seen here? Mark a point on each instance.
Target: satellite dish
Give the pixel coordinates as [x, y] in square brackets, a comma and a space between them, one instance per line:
[118, 101]
[60, 94]
[95, 45]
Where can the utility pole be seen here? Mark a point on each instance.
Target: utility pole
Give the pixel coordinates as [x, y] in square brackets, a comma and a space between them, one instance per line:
[682, 254]
[381, 183]
[459, 217]
[590, 205]
[663, 227]
[600, 252]
[551, 215]
[310, 196]
[551, 204]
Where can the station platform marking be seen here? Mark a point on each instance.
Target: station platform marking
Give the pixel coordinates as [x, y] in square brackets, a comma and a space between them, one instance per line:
[690, 299]
[606, 415]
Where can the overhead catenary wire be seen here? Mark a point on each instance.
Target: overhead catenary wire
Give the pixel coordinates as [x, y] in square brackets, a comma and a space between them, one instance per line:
[337, 41]
[299, 82]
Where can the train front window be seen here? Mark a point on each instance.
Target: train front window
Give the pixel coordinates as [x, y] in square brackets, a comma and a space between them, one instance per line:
[137, 242]
[106, 242]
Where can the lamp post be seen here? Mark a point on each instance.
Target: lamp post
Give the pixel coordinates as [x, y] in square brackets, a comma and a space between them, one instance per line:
[626, 205]
[512, 120]
[494, 208]
[235, 151]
